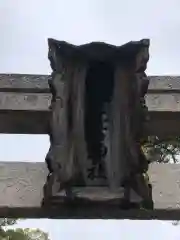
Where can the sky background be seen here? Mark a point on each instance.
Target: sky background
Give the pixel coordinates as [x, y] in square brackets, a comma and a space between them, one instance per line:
[25, 26]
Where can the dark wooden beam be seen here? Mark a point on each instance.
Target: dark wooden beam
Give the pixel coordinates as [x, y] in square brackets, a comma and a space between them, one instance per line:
[24, 122]
[163, 124]
[90, 212]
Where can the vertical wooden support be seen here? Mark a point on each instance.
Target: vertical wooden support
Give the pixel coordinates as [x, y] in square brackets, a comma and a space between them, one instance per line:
[78, 119]
[60, 158]
[128, 165]
[117, 165]
[67, 156]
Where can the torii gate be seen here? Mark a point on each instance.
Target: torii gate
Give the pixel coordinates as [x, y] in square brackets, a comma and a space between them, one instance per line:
[125, 83]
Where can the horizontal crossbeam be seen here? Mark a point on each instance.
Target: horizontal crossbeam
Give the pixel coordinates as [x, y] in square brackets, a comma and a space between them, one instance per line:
[33, 83]
[90, 212]
[24, 102]
[21, 186]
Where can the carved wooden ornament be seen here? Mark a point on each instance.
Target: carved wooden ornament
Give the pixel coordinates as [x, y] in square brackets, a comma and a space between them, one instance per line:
[97, 116]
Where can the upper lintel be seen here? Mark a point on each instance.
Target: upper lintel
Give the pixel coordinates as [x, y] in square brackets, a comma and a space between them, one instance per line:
[98, 50]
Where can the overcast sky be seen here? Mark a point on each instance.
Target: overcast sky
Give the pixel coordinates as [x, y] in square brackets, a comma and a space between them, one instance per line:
[25, 26]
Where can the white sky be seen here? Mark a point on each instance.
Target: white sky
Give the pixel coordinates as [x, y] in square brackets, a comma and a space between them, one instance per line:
[25, 26]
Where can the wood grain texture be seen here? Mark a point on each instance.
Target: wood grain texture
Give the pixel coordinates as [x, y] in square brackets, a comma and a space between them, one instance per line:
[21, 194]
[78, 92]
[117, 170]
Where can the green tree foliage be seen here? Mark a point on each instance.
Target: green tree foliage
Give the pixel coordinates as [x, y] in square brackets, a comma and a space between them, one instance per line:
[7, 221]
[24, 234]
[18, 233]
[162, 150]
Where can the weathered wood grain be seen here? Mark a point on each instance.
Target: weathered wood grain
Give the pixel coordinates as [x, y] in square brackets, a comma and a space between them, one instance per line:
[21, 194]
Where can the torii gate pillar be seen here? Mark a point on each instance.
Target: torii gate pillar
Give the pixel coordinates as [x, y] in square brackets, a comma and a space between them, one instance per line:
[97, 116]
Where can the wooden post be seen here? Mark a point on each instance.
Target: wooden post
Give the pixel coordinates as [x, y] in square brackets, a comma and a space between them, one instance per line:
[127, 163]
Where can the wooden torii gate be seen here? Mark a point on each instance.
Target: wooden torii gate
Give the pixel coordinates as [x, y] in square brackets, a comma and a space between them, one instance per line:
[24, 109]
